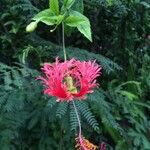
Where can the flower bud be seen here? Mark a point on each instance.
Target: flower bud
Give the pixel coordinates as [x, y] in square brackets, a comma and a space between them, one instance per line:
[31, 27]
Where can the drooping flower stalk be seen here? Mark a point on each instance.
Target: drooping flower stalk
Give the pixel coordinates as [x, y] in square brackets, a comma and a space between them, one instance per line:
[69, 80]
[79, 122]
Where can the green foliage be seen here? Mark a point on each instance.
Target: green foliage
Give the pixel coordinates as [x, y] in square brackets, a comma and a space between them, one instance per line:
[73, 21]
[53, 16]
[84, 26]
[54, 6]
[87, 114]
[68, 3]
[46, 16]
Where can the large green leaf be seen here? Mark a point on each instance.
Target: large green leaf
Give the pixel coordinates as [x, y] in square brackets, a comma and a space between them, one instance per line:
[74, 21]
[44, 13]
[48, 17]
[54, 6]
[85, 27]
[68, 3]
[53, 20]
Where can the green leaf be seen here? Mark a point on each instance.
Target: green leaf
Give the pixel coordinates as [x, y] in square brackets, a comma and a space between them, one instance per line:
[53, 20]
[46, 16]
[48, 21]
[54, 6]
[74, 21]
[85, 27]
[68, 3]
[43, 14]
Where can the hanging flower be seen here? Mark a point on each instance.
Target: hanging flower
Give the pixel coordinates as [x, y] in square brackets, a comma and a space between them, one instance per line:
[84, 144]
[71, 79]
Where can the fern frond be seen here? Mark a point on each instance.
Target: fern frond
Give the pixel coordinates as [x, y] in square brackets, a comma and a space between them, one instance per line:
[7, 81]
[25, 5]
[3, 99]
[61, 109]
[51, 102]
[14, 76]
[105, 109]
[87, 114]
[33, 119]
[73, 118]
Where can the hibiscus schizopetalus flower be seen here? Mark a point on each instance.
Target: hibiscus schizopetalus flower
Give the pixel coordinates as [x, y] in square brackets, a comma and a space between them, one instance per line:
[71, 79]
[83, 144]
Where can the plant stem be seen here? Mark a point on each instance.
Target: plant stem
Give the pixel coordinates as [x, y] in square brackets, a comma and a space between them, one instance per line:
[63, 42]
[65, 58]
[79, 123]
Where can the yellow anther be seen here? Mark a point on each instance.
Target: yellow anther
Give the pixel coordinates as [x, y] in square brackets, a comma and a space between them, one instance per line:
[71, 88]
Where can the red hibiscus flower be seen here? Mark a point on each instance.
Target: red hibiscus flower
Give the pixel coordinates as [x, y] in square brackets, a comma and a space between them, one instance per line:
[71, 79]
